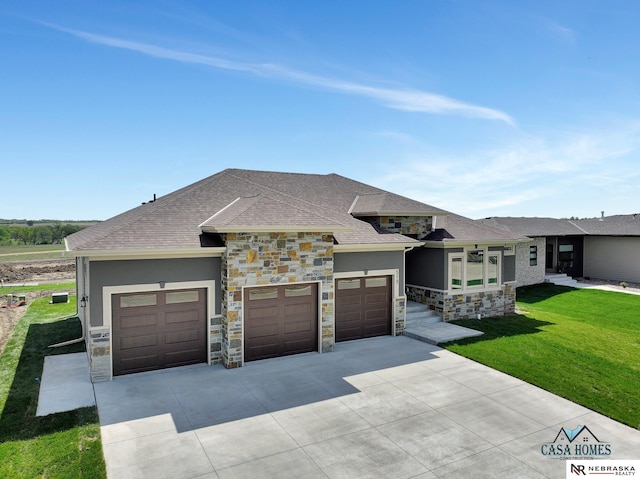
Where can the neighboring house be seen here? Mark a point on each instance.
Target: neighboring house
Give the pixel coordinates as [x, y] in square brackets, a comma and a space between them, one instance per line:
[247, 265]
[605, 248]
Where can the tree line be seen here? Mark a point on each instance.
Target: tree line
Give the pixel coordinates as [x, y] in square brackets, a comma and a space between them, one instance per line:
[36, 234]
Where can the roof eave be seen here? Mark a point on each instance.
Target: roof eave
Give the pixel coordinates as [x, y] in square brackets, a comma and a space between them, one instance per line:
[275, 228]
[395, 213]
[106, 255]
[445, 243]
[367, 247]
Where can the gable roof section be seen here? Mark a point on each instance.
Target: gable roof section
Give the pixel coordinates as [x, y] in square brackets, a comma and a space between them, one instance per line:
[263, 213]
[458, 229]
[618, 225]
[389, 204]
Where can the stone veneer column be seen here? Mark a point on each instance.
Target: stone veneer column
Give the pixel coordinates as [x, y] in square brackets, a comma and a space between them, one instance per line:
[255, 259]
[99, 354]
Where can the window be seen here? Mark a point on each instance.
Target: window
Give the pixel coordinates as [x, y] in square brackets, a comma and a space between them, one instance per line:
[292, 291]
[533, 255]
[375, 282]
[182, 297]
[258, 294]
[455, 272]
[348, 284]
[565, 256]
[493, 272]
[136, 300]
[476, 268]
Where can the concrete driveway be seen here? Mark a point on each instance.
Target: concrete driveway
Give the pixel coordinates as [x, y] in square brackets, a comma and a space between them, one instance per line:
[389, 407]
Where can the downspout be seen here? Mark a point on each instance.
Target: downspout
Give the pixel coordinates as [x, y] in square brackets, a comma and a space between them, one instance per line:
[71, 341]
[83, 301]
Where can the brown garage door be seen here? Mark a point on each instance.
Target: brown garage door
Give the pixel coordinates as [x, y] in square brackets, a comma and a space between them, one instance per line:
[280, 320]
[158, 329]
[363, 307]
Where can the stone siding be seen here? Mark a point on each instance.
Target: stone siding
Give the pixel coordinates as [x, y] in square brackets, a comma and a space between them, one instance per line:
[525, 273]
[399, 315]
[99, 354]
[466, 305]
[254, 259]
[215, 333]
[418, 226]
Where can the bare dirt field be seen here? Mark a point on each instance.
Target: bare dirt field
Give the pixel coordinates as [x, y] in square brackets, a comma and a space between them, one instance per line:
[28, 272]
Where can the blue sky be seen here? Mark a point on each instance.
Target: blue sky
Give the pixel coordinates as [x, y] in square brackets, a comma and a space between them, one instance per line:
[484, 108]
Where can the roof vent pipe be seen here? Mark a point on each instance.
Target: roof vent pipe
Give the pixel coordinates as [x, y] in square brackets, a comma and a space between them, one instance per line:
[601, 215]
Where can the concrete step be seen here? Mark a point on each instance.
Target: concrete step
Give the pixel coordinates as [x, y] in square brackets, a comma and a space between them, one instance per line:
[426, 325]
[420, 313]
[439, 333]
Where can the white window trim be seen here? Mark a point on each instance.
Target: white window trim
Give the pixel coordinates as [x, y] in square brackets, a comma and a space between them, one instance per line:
[485, 271]
[107, 318]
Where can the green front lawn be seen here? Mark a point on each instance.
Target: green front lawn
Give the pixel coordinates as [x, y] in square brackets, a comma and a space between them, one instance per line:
[580, 344]
[64, 445]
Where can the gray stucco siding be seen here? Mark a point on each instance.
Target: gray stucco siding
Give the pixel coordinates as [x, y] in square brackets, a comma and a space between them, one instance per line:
[614, 258]
[127, 272]
[373, 260]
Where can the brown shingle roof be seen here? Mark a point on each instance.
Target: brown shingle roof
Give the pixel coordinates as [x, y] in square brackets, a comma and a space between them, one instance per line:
[285, 199]
[235, 200]
[618, 225]
[388, 204]
[454, 228]
[270, 214]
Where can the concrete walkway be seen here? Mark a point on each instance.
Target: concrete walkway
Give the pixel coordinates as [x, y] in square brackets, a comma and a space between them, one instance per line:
[65, 384]
[564, 280]
[387, 407]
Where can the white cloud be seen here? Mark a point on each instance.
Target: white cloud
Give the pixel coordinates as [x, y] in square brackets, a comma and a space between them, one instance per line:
[561, 31]
[405, 99]
[548, 173]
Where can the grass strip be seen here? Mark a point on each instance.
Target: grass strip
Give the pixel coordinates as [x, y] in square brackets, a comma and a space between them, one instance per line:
[580, 344]
[70, 287]
[63, 445]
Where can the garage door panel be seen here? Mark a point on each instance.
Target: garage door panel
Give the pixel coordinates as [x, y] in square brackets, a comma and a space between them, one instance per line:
[298, 309]
[294, 327]
[365, 311]
[139, 363]
[376, 298]
[262, 312]
[181, 317]
[158, 329]
[141, 341]
[172, 337]
[347, 316]
[137, 321]
[375, 330]
[299, 346]
[266, 351]
[182, 358]
[258, 330]
[350, 300]
[375, 314]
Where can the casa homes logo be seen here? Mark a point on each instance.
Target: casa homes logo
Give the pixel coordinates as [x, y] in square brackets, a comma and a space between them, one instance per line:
[575, 443]
[599, 468]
